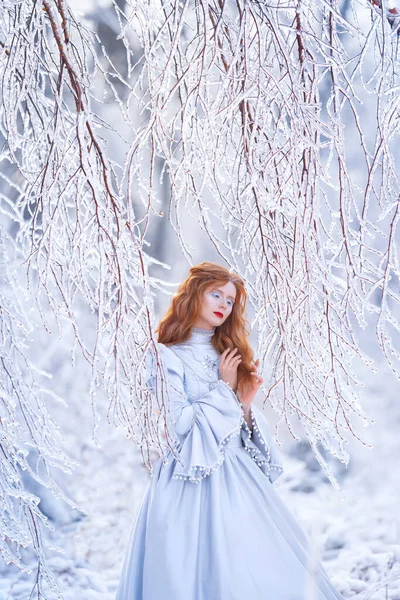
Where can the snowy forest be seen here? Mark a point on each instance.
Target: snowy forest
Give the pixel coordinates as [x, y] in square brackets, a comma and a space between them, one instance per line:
[139, 138]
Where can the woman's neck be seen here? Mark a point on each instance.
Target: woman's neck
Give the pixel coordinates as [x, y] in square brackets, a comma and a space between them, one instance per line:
[199, 335]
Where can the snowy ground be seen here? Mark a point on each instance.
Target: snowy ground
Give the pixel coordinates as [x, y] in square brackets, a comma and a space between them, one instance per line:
[358, 536]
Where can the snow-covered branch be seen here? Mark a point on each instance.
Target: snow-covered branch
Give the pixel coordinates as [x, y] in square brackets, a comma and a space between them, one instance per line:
[25, 424]
[255, 108]
[275, 127]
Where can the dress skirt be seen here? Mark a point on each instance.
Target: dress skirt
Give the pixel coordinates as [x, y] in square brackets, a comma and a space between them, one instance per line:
[229, 537]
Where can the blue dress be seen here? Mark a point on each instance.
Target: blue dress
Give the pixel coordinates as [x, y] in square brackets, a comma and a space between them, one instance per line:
[211, 526]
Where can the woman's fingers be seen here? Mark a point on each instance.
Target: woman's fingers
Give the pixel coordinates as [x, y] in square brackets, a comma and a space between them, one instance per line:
[223, 356]
[228, 357]
[258, 378]
[225, 352]
[235, 361]
[232, 354]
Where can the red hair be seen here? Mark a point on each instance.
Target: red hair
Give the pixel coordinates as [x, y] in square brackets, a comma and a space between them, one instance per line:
[176, 325]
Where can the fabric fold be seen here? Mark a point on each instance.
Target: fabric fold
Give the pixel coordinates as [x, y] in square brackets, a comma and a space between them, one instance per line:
[231, 537]
[204, 426]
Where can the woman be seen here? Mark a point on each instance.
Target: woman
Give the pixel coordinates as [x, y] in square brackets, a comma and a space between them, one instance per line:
[211, 526]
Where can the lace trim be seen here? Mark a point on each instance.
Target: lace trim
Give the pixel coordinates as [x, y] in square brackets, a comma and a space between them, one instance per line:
[197, 472]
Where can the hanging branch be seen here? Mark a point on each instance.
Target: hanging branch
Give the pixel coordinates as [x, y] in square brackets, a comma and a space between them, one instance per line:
[25, 423]
[277, 126]
[81, 238]
[250, 105]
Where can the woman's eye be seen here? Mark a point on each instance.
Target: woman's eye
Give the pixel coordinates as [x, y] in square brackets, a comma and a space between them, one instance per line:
[217, 295]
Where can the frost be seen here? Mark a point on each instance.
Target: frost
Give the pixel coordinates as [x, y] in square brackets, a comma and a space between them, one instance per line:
[274, 127]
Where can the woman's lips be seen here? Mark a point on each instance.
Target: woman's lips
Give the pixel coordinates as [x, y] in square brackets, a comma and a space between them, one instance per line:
[220, 315]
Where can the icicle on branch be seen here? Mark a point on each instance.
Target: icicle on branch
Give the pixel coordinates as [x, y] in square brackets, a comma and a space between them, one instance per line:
[78, 230]
[63, 200]
[25, 423]
[256, 109]
[262, 117]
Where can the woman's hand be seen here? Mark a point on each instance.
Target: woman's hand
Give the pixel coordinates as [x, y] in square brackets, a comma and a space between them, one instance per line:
[251, 389]
[228, 366]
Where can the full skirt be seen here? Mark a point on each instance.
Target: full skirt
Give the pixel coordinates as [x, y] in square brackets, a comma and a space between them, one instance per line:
[229, 537]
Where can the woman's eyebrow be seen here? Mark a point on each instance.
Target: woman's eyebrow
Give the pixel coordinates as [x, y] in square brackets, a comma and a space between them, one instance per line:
[218, 290]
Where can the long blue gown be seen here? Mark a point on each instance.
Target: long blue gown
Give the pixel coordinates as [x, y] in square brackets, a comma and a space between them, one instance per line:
[214, 527]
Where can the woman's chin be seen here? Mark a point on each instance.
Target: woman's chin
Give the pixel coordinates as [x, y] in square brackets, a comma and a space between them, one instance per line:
[212, 323]
[216, 322]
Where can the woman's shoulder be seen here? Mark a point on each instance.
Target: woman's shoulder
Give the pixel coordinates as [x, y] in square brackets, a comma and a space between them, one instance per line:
[183, 356]
[170, 356]
[167, 349]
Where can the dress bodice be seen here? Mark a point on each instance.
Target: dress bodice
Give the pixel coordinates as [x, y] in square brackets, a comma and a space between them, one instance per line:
[200, 362]
[206, 414]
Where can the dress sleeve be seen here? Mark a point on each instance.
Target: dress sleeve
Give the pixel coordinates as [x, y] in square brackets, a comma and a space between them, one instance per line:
[204, 426]
[261, 446]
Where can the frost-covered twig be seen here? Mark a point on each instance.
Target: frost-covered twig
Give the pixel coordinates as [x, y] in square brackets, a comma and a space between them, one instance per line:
[275, 127]
[250, 104]
[25, 423]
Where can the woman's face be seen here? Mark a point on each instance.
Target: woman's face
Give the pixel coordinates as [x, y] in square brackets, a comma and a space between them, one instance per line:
[216, 306]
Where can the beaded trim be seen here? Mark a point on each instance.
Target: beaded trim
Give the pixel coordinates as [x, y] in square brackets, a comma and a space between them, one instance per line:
[197, 472]
[263, 461]
[261, 457]
[254, 452]
[229, 386]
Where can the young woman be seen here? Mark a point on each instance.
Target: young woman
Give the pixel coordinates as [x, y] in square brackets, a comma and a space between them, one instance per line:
[211, 525]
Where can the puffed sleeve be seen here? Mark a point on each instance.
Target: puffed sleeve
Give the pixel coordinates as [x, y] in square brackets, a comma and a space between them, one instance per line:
[261, 446]
[204, 426]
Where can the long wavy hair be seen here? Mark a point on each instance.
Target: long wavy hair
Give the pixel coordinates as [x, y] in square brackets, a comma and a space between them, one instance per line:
[175, 327]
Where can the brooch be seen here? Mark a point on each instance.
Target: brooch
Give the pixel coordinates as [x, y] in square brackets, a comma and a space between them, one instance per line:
[210, 364]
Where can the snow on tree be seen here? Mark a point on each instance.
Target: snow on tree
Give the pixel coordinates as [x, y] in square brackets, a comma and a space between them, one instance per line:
[274, 125]
[30, 440]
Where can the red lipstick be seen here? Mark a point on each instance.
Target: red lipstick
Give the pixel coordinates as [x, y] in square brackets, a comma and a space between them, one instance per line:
[220, 315]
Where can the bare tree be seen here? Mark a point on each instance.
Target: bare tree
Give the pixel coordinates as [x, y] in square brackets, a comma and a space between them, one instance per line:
[277, 126]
